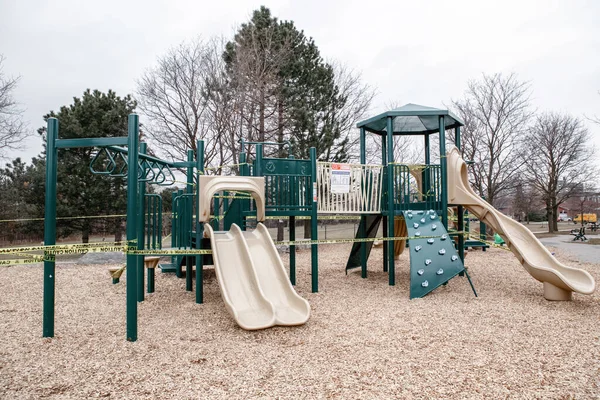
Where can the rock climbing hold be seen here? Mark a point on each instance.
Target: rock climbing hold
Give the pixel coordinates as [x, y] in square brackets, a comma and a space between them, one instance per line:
[421, 271]
[442, 252]
[427, 262]
[439, 271]
[425, 284]
[430, 241]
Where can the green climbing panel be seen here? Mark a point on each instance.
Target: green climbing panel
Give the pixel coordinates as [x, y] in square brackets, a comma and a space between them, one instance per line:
[433, 258]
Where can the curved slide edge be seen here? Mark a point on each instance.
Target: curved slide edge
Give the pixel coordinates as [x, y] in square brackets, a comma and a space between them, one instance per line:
[237, 279]
[559, 280]
[290, 308]
[255, 287]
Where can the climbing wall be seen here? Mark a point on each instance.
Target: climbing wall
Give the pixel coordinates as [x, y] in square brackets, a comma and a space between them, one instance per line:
[433, 258]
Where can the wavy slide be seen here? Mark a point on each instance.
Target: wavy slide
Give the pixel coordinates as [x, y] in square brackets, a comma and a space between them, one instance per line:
[559, 280]
[255, 287]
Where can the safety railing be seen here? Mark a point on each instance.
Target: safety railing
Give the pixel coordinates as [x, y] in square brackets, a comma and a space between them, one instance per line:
[286, 192]
[349, 188]
[416, 186]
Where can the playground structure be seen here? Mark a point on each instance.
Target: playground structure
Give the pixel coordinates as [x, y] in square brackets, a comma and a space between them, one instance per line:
[410, 200]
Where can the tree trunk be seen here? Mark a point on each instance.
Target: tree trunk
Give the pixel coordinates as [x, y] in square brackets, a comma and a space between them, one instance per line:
[554, 215]
[261, 116]
[85, 232]
[307, 229]
[281, 153]
[549, 215]
[118, 230]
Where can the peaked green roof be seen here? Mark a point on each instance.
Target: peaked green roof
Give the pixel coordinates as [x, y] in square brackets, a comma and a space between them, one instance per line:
[411, 119]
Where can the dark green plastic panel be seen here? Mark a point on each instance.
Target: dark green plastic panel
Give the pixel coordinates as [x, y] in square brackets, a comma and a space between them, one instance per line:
[371, 223]
[433, 258]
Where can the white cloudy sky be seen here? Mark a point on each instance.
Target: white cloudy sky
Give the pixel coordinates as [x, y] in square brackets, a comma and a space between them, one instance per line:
[412, 51]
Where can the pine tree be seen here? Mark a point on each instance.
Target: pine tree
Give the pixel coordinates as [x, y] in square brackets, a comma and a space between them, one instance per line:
[79, 192]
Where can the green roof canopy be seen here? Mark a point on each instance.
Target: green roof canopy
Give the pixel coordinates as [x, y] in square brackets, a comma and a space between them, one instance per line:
[411, 119]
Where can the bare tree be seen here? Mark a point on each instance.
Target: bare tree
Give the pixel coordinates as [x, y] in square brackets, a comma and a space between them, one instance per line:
[223, 103]
[12, 128]
[171, 96]
[496, 114]
[354, 98]
[255, 60]
[557, 157]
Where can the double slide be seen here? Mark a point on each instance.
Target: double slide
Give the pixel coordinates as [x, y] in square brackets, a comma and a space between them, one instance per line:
[559, 280]
[253, 281]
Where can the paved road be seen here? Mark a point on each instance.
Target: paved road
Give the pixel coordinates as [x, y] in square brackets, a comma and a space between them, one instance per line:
[582, 251]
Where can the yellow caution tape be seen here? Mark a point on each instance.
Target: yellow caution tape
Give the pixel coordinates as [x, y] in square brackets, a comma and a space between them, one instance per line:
[97, 247]
[63, 218]
[21, 262]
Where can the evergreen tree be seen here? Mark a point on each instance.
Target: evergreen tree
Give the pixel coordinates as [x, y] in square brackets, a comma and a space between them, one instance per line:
[288, 90]
[79, 192]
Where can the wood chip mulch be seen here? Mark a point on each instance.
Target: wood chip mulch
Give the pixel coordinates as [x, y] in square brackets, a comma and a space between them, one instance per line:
[364, 339]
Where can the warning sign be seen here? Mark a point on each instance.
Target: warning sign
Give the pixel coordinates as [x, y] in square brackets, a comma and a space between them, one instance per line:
[340, 178]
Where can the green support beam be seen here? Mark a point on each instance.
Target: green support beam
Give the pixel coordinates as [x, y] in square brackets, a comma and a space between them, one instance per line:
[363, 222]
[314, 255]
[443, 172]
[91, 142]
[390, 196]
[132, 177]
[140, 228]
[50, 228]
[190, 207]
[199, 226]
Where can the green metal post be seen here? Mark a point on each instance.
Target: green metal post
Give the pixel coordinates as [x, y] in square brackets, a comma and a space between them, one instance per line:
[179, 211]
[460, 209]
[482, 233]
[199, 226]
[443, 173]
[50, 228]
[426, 173]
[391, 210]
[259, 160]
[313, 222]
[244, 171]
[363, 218]
[173, 225]
[383, 203]
[292, 237]
[141, 209]
[132, 204]
[189, 189]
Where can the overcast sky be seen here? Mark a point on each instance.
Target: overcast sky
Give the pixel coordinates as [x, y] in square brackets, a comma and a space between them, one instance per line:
[420, 52]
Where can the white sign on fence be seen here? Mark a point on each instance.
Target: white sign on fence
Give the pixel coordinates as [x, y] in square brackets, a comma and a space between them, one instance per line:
[340, 178]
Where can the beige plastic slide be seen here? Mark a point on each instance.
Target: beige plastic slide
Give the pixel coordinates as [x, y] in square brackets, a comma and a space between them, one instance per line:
[251, 275]
[290, 308]
[238, 282]
[253, 281]
[559, 280]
